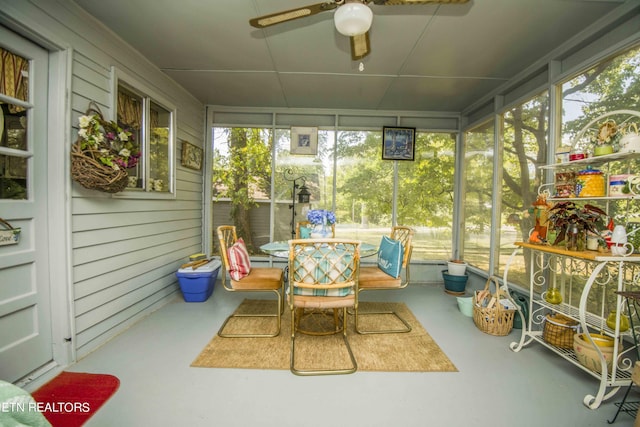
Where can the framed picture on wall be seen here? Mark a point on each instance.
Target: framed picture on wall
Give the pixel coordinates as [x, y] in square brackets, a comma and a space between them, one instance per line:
[304, 140]
[191, 156]
[398, 143]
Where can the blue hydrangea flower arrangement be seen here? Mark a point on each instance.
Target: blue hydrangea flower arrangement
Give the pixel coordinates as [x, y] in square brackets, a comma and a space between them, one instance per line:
[321, 216]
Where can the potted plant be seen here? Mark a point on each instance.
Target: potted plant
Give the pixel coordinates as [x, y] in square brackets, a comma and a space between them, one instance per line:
[567, 216]
[607, 139]
[455, 277]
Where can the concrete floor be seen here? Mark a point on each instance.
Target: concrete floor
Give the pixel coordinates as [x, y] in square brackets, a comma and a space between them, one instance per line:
[494, 386]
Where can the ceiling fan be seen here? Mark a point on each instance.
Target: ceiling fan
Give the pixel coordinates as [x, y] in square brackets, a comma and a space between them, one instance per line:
[352, 18]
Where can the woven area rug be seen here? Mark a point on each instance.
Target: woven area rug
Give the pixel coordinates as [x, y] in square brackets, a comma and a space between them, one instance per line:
[71, 398]
[415, 351]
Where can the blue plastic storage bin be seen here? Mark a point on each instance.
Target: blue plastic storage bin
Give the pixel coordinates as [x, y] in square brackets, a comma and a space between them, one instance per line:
[197, 285]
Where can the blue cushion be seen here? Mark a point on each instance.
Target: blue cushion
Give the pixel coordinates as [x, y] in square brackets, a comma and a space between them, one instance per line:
[390, 256]
[305, 232]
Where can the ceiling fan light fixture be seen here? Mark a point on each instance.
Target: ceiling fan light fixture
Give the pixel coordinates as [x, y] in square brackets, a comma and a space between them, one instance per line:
[353, 19]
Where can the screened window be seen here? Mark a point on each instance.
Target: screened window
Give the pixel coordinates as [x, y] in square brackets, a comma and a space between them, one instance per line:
[425, 195]
[242, 182]
[611, 85]
[346, 175]
[314, 171]
[364, 186]
[477, 202]
[524, 141]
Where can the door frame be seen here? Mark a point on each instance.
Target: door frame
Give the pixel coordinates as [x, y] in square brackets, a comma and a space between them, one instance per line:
[59, 208]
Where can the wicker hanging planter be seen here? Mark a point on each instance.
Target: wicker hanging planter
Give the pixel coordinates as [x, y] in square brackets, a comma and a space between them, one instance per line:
[102, 153]
[92, 174]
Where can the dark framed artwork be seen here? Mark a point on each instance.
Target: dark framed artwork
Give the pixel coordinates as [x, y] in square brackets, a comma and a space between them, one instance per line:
[398, 143]
[304, 140]
[191, 156]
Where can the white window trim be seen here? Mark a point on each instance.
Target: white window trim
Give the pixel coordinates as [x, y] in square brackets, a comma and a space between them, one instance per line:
[149, 93]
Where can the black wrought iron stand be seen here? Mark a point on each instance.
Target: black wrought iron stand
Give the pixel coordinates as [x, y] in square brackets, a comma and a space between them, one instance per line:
[631, 408]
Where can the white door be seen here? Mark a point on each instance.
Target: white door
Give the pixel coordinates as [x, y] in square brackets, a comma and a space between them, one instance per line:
[25, 312]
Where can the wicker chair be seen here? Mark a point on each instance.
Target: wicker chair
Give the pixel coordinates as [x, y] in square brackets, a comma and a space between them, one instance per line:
[323, 274]
[259, 279]
[374, 279]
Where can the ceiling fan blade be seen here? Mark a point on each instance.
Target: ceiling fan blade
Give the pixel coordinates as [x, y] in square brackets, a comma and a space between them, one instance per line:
[400, 2]
[360, 46]
[289, 15]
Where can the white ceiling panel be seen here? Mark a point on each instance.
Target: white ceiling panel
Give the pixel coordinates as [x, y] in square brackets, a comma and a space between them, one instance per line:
[232, 88]
[334, 91]
[436, 57]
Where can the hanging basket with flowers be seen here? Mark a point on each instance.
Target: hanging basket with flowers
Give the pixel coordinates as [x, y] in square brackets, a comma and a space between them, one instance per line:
[102, 153]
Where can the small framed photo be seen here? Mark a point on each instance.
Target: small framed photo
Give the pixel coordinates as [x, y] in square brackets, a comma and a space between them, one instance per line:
[304, 140]
[398, 143]
[191, 156]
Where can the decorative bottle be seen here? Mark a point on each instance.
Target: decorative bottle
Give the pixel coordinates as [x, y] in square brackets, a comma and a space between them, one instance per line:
[572, 237]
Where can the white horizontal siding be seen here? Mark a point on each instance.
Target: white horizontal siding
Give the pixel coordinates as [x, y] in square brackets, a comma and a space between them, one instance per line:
[122, 219]
[92, 311]
[84, 239]
[124, 251]
[129, 245]
[90, 339]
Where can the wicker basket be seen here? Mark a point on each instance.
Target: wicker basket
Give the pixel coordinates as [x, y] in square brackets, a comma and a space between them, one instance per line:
[89, 172]
[559, 330]
[493, 319]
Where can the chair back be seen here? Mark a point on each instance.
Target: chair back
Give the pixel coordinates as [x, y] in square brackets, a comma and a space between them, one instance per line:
[300, 226]
[226, 238]
[323, 267]
[405, 236]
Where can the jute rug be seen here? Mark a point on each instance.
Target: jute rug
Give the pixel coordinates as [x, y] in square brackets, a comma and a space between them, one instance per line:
[415, 351]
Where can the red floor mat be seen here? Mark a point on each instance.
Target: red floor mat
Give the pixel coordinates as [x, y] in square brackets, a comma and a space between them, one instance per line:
[71, 398]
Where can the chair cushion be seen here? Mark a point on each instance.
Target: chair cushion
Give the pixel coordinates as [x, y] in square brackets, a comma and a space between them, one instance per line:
[308, 301]
[390, 256]
[260, 278]
[305, 232]
[239, 263]
[373, 277]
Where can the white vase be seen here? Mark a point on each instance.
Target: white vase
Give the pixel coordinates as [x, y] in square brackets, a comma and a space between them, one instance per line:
[320, 231]
[457, 268]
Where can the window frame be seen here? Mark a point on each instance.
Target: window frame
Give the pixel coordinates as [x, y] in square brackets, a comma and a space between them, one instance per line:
[149, 96]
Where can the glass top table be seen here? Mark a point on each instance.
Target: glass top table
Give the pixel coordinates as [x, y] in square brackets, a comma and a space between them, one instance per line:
[281, 249]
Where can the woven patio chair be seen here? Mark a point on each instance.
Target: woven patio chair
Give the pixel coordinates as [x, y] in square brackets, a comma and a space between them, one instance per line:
[375, 278]
[244, 278]
[323, 275]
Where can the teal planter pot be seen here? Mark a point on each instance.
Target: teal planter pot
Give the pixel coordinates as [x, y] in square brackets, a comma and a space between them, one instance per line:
[454, 284]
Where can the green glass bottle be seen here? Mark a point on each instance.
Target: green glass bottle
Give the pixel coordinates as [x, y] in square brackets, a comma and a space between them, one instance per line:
[553, 296]
[624, 321]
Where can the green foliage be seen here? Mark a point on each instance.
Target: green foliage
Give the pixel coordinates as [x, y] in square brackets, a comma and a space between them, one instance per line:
[242, 172]
[365, 183]
[426, 184]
